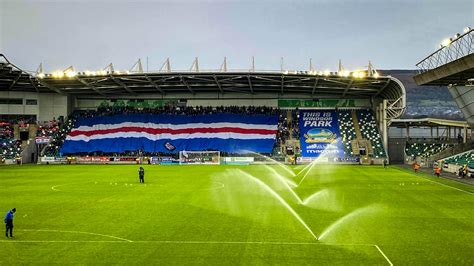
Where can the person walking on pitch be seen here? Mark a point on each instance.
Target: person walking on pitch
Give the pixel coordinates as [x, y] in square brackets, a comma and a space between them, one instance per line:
[9, 222]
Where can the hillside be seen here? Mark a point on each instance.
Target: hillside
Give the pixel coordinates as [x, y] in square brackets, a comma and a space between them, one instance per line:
[424, 101]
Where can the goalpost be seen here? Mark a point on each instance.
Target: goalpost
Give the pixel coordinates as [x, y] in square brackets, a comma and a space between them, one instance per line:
[199, 157]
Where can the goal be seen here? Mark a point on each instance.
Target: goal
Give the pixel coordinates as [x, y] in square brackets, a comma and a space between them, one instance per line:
[199, 157]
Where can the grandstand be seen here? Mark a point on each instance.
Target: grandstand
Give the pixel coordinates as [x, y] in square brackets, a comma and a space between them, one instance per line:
[363, 103]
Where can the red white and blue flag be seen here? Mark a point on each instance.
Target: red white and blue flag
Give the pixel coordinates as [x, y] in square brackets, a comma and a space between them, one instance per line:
[232, 133]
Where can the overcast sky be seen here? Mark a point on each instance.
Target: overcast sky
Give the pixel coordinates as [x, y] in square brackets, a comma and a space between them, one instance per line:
[91, 34]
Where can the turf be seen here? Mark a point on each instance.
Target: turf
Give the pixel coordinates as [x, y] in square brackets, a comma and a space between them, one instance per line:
[235, 215]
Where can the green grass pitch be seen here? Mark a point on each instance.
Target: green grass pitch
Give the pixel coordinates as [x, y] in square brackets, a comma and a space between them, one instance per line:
[262, 214]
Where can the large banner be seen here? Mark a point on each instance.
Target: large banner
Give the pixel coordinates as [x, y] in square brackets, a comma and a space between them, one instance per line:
[233, 133]
[320, 134]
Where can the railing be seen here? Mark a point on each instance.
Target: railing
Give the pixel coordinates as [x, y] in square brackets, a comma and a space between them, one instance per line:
[451, 151]
[453, 49]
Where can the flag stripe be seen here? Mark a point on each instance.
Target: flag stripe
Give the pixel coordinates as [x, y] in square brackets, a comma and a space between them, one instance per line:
[171, 136]
[171, 131]
[176, 126]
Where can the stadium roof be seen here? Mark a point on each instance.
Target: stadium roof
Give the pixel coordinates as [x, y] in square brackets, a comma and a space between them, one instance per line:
[13, 78]
[427, 122]
[332, 85]
[307, 84]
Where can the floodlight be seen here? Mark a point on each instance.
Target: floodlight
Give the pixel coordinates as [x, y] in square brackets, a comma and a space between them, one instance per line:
[58, 74]
[40, 75]
[71, 74]
[446, 42]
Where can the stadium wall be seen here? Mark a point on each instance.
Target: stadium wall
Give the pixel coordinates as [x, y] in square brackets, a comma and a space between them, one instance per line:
[44, 106]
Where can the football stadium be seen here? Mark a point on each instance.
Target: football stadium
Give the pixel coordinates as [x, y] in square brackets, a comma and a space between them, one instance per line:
[242, 166]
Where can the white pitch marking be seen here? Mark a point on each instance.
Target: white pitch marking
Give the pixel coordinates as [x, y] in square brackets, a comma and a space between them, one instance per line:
[74, 232]
[383, 254]
[462, 190]
[62, 241]
[188, 242]
[56, 186]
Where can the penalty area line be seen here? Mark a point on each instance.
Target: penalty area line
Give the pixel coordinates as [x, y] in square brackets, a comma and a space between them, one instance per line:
[383, 254]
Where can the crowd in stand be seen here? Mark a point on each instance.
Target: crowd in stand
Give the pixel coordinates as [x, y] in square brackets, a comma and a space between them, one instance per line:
[176, 110]
[288, 129]
[9, 147]
[48, 129]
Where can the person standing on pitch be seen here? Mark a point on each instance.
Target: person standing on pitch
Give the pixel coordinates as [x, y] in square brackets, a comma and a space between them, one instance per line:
[141, 174]
[385, 162]
[438, 171]
[9, 222]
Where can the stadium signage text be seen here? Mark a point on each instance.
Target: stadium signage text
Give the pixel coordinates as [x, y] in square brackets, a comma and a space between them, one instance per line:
[320, 135]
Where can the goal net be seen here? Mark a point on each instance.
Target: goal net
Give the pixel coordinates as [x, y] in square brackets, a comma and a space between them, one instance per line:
[199, 157]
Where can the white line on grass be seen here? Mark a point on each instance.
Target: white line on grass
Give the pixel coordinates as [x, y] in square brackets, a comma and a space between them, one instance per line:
[75, 232]
[62, 241]
[220, 186]
[462, 190]
[427, 179]
[55, 188]
[188, 242]
[383, 254]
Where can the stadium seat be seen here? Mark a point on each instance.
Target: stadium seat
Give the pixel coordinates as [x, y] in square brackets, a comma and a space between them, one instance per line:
[346, 129]
[424, 149]
[466, 158]
[370, 131]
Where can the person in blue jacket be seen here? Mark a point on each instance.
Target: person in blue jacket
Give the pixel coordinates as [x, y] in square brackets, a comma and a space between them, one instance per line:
[9, 222]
